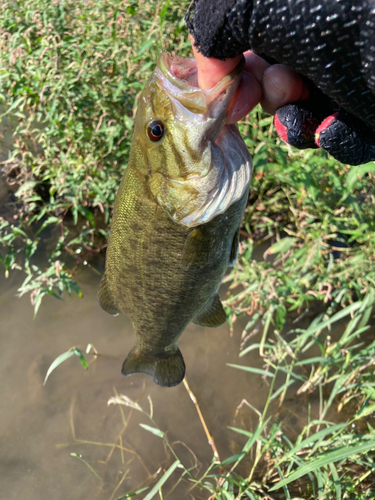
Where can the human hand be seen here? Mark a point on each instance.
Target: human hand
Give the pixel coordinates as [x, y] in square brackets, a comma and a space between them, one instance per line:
[329, 43]
[271, 85]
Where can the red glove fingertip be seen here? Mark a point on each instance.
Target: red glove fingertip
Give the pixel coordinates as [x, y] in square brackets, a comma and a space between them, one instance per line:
[323, 126]
[280, 128]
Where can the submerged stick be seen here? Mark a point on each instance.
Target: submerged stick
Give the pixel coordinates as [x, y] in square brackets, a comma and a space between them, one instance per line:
[210, 438]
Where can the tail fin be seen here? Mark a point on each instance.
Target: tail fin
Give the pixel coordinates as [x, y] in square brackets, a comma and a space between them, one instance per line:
[167, 371]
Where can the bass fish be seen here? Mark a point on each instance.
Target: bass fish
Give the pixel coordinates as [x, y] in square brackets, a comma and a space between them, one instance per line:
[177, 214]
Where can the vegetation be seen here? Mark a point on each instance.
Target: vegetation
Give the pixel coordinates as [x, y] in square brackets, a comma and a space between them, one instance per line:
[317, 216]
[71, 72]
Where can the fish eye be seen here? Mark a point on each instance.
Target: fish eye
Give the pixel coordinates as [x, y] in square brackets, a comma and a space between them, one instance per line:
[155, 130]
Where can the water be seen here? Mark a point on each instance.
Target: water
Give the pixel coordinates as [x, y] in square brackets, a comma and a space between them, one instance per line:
[36, 421]
[41, 426]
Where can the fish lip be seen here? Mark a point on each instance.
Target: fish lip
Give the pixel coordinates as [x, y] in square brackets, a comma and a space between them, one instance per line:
[188, 82]
[179, 78]
[165, 65]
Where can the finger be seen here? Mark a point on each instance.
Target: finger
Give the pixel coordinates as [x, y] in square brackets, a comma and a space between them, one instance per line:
[281, 85]
[250, 90]
[345, 140]
[247, 97]
[255, 65]
[211, 70]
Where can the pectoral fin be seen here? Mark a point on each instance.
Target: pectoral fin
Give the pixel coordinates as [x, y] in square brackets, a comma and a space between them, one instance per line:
[234, 248]
[106, 300]
[167, 371]
[213, 315]
[197, 249]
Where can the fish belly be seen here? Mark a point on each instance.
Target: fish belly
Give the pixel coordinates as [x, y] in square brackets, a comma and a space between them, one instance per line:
[157, 276]
[163, 274]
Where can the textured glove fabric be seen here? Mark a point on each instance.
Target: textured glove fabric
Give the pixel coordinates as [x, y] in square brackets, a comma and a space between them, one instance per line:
[330, 42]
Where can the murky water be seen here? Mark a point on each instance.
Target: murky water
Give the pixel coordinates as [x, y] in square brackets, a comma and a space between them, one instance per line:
[40, 426]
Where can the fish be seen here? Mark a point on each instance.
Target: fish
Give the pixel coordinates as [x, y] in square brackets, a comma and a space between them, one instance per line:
[177, 215]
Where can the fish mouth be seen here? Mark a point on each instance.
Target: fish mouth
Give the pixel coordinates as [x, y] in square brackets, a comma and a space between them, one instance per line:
[216, 161]
[182, 72]
[179, 78]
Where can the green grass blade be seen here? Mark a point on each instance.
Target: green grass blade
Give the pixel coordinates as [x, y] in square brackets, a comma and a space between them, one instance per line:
[162, 480]
[259, 371]
[336, 480]
[312, 439]
[233, 458]
[336, 317]
[153, 430]
[63, 357]
[132, 494]
[252, 347]
[328, 458]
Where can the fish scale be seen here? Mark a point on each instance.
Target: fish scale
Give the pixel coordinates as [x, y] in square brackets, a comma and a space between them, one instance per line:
[164, 265]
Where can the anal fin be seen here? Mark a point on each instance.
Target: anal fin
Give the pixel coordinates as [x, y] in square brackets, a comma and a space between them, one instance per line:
[167, 370]
[212, 315]
[106, 300]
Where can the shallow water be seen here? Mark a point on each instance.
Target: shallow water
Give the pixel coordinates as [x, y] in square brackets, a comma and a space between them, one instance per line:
[35, 420]
[41, 426]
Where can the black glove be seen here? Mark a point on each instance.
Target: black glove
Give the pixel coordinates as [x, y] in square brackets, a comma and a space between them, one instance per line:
[331, 43]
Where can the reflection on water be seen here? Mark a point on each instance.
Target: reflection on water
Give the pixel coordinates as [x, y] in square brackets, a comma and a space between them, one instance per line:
[37, 423]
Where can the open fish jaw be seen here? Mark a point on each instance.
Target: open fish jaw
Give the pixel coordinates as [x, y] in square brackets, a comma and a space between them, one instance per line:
[225, 172]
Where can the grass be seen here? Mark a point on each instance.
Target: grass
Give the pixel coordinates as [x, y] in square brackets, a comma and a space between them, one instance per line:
[71, 72]
[328, 456]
